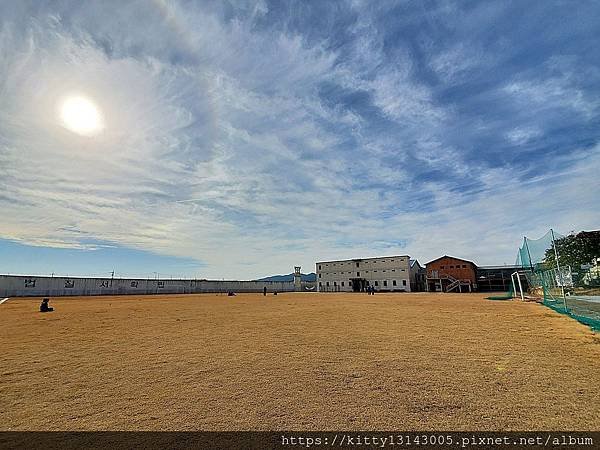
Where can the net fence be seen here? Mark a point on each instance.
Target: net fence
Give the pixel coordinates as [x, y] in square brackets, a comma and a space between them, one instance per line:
[564, 271]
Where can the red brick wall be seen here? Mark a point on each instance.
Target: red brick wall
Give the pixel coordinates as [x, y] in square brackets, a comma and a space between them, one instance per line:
[453, 267]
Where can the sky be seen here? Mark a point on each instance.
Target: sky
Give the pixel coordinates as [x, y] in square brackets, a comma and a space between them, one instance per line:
[239, 139]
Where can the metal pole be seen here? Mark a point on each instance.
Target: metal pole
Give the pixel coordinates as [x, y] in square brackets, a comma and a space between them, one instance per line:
[512, 279]
[520, 286]
[528, 254]
[560, 277]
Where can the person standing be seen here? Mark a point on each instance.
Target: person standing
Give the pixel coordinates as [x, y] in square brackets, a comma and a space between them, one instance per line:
[265, 291]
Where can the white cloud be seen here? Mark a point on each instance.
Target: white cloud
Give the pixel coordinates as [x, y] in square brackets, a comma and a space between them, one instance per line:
[555, 92]
[522, 135]
[218, 147]
[455, 63]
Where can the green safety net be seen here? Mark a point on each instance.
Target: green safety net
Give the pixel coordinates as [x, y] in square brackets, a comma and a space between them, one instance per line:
[572, 294]
[530, 256]
[570, 286]
[534, 253]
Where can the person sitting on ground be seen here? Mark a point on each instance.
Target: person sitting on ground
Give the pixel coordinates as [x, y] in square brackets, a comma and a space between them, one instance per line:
[231, 294]
[44, 306]
[275, 293]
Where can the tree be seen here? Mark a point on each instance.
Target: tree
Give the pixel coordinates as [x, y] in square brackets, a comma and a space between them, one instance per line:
[574, 250]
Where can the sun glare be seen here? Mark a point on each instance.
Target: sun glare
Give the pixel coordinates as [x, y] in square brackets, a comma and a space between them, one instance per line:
[81, 116]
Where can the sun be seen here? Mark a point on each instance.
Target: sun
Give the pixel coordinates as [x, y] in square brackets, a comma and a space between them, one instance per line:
[81, 116]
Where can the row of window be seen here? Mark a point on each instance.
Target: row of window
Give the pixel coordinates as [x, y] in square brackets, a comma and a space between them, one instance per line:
[458, 266]
[357, 263]
[375, 283]
[358, 273]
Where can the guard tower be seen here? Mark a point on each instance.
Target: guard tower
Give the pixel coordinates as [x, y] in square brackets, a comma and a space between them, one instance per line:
[297, 279]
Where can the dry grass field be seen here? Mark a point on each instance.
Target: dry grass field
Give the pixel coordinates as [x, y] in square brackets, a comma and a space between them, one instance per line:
[295, 361]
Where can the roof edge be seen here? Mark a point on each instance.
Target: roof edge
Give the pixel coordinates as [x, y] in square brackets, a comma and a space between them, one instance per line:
[453, 257]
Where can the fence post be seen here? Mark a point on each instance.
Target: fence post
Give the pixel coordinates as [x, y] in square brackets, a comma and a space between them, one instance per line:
[560, 277]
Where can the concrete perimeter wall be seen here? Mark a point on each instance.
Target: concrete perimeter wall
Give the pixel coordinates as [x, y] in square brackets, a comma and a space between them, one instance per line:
[33, 286]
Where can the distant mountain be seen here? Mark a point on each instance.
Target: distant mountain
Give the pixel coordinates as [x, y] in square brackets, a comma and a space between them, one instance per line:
[305, 277]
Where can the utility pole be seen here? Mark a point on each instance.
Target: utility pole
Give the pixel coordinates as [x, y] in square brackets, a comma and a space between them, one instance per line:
[560, 277]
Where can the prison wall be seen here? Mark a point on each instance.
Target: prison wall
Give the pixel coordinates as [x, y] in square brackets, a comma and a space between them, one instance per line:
[38, 286]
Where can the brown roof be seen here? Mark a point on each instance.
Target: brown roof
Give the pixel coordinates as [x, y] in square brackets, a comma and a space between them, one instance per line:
[453, 257]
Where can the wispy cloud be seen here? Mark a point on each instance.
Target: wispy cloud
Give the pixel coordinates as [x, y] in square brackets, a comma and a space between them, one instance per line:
[252, 136]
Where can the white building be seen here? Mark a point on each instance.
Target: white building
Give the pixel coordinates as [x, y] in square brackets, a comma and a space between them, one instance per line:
[388, 273]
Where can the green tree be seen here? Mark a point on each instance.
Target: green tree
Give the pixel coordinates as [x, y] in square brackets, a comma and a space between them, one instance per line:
[574, 250]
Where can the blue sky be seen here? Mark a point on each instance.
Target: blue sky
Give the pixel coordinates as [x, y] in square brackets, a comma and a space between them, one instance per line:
[243, 138]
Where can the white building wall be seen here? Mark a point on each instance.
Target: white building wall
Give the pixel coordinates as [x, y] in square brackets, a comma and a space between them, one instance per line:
[25, 286]
[389, 273]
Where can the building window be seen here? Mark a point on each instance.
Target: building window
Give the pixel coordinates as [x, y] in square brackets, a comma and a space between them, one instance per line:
[319, 266]
[319, 275]
[452, 267]
[394, 282]
[320, 284]
[342, 284]
[393, 270]
[328, 284]
[385, 282]
[357, 264]
[403, 282]
[358, 274]
[442, 267]
[335, 283]
[464, 266]
[376, 283]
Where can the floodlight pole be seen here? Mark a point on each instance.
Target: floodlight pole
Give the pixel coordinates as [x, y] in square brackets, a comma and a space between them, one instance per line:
[560, 277]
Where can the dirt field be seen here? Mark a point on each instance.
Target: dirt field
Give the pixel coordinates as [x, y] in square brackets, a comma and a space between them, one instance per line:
[296, 361]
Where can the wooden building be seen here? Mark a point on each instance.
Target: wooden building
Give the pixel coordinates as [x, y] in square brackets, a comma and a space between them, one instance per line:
[450, 274]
